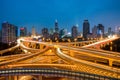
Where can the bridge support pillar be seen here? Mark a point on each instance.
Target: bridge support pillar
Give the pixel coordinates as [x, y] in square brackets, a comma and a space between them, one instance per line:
[41, 46]
[15, 77]
[39, 77]
[9, 78]
[110, 62]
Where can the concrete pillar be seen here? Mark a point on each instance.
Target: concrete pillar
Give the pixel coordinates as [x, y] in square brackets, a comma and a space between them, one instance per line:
[110, 62]
[9, 78]
[15, 77]
[39, 77]
[41, 46]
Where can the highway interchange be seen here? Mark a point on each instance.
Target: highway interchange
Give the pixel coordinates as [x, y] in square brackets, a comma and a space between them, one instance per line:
[64, 57]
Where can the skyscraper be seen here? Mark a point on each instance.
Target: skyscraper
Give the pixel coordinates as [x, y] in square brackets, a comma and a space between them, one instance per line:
[56, 27]
[100, 30]
[23, 31]
[74, 32]
[94, 31]
[117, 30]
[51, 31]
[9, 33]
[33, 31]
[45, 33]
[109, 30]
[86, 28]
[62, 33]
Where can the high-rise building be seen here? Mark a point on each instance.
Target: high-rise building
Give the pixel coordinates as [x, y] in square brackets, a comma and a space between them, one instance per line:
[100, 30]
[74, 32]
[86, 28]
[45, 33]
[117, 30]
[9, 33]
[94, 31]
[62, 33]
[33, 31]
[23, 31]
[51, 31]
[55, 36]
[56, 27]
[109, 31]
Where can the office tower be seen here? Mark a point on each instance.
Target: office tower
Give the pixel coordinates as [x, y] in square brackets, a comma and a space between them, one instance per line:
[74, 32]
[55, 36]
[23, 31]
[45, 33]
[56, 27]
[100, 30]
[9, 32]
[33, 31]
[94, 31]
[62, 33]
[51, 31]
[117, 30]
[109, 30]
[86, 29]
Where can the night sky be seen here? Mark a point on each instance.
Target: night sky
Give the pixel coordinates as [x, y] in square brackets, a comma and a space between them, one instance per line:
[43, 13]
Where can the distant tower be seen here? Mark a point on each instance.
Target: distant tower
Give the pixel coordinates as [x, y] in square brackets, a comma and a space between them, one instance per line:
[62, 33]
[51, 31]
[94, 31]
[100, 30]
[117, 30]
[33, 31]
[109, 31]
[56, 26]
[86, 28]
[23, 31]
[45, 33]
[74, 32]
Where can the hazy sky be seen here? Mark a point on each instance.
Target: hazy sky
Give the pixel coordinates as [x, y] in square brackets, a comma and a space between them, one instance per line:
[43, 13]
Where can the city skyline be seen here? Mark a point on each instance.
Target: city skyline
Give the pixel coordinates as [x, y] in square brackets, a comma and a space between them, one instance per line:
[43, 13]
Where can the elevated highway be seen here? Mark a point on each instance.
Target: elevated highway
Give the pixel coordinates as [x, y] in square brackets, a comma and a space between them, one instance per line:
[53, 72]
[75, 64]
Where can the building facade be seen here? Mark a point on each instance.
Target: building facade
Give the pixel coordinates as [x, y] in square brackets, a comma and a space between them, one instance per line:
[74, 32]
[9, 33]
[86, 29]
[56, 27]
[100, 31]
[45, 33]
[117, 30]
[33, 31]
[23, 31]
[94, 32]
[62, 33]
